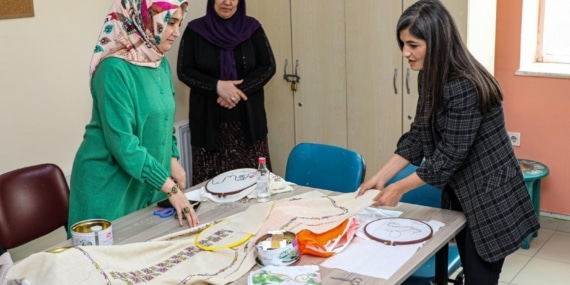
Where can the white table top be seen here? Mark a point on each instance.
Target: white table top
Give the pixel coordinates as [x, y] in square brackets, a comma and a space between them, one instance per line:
[142, 225]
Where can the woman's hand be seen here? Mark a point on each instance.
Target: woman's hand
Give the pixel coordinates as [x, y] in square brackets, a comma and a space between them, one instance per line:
[229, 94]
[388, 196]
[180, 203]
[373, 182]
[177, 172]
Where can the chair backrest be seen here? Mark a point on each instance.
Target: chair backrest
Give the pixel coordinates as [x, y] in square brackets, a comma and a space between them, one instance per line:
[34, 201]
[425, 195]
[326, 167]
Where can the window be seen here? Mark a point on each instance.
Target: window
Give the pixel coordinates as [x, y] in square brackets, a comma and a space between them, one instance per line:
[554, 21]
[545, 47]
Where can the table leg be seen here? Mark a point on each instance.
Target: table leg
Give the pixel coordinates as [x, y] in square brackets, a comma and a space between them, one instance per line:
[526, 242]
[441, 257]
[536, 201]
[533, 188]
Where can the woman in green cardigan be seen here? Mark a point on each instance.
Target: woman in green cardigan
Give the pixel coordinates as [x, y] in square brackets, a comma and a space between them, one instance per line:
[128, 158]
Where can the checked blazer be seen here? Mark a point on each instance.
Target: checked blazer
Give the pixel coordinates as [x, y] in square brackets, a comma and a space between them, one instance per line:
[470, 153]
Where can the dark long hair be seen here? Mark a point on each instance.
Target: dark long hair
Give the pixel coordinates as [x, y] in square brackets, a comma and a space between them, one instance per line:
[447, 57]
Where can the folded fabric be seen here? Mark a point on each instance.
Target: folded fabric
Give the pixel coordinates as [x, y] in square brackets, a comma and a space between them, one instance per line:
[327, 243]
[5, 264]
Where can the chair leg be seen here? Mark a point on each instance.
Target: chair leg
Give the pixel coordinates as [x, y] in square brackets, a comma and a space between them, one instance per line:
[459, 279]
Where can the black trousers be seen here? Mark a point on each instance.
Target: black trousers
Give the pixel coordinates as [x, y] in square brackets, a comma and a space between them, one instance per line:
[477, 271]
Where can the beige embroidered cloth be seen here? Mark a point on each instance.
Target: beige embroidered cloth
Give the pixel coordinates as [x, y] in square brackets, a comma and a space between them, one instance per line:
[175, 259]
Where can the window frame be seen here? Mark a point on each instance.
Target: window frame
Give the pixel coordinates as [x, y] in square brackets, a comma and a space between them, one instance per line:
[532, 63]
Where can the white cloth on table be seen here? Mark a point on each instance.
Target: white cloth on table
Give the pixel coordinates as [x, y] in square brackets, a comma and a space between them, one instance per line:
[276, 185]
[5, 264]
[175, 258]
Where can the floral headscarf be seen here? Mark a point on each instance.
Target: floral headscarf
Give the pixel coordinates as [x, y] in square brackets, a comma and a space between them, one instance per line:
[133, 30]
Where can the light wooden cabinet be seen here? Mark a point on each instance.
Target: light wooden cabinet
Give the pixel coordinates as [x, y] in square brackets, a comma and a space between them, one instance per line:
[382, 89]
[310, 36]
[355, 88]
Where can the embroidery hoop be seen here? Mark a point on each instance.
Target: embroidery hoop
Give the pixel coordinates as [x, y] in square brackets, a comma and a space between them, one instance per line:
[214, 248]
[398, 231]
[232, 182]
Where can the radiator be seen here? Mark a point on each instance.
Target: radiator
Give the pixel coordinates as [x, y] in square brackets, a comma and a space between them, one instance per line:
[182, 133]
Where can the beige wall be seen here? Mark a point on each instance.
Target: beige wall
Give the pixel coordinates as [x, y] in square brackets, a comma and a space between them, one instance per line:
[44, 64]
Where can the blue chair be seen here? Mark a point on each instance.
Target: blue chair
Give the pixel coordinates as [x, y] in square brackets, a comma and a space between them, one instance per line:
[326, 167]
[430, 196]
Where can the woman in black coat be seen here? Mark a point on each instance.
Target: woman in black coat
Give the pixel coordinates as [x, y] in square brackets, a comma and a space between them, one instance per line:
[226, 60]
[460, 136]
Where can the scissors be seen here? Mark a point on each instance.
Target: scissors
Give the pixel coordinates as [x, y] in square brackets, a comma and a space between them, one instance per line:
[353, 281]
[163, 213]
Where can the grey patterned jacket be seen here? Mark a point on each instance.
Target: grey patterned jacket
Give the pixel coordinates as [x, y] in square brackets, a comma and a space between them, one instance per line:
[471, 153]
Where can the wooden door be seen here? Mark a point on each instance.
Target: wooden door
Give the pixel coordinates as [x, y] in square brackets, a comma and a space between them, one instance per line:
[312, 34]
[374, 72]
[409, 83]
[458, 10]
[319, 46]
[275, 18]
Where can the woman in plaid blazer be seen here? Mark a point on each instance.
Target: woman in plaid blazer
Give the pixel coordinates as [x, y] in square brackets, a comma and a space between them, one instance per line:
[459, 133]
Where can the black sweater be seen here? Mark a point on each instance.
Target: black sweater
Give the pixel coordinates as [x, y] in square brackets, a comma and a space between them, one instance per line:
[199, 68]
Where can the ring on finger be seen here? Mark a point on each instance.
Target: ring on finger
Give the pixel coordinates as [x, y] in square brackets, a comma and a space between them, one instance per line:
[186, 210]
[233, 98]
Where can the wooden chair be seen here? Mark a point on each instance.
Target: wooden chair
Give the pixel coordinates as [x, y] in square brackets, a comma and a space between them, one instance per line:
[34, 201]
[430, 196]
[326, 167]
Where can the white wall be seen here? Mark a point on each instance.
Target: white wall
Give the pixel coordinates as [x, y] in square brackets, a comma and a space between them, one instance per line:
[45, 101]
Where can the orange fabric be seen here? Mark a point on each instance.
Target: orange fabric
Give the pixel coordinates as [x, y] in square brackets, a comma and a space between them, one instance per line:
[315, 243]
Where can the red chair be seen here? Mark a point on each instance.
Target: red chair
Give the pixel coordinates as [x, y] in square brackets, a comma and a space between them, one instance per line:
[34, 201]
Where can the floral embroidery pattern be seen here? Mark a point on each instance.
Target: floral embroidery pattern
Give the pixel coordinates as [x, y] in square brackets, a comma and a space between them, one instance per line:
[97, 266]
[209, 275]
[148, 274]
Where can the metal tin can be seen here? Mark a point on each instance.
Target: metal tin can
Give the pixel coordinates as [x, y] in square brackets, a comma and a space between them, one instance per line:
[277, 248]
[92, 232]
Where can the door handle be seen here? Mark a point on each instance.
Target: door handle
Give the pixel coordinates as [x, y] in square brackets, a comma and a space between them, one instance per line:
[407, 80]
[292, 78]
[394, 81]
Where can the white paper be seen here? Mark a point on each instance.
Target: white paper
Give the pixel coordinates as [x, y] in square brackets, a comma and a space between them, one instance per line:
[385, 262]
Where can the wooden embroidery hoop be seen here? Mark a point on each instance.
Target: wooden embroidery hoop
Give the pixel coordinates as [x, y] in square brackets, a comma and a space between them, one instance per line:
[232, 182]
[398, 231]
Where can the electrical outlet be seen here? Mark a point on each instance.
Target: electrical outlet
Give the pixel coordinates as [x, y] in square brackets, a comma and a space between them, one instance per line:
[515, 138]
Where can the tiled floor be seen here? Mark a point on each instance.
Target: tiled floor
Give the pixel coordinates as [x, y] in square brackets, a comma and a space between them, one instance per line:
[546, 262]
